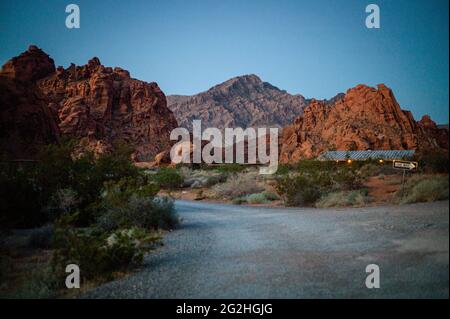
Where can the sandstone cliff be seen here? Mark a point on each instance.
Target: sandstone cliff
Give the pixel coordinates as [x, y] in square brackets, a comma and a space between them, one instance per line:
[94, 104]
[365, 118]
[26, 123]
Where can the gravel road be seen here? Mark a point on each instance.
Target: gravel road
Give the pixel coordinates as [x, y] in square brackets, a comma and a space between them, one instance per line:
[226, 251]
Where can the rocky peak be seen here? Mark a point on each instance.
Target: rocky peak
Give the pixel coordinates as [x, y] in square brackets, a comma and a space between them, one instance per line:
[31, 65]
[93, 104]
[241, 101]
[427, 122]
[365, 118]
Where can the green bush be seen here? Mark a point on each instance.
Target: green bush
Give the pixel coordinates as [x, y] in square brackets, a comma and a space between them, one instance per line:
[143, 212]
[271, 196]
[40, 284]
[298, 189]
[168, 178]
[310, 179]
[424, 189]
[98, 254]
[369, 170]
[344, 199]
[240, 200]
[27, 190]
[259, 198]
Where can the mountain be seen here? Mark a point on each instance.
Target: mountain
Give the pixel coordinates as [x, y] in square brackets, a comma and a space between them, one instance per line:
[94, 104]
[243, 101]
[365, 118]
[26, 123]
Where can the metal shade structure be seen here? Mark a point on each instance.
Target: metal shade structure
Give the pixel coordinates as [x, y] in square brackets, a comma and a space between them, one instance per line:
[365, 155]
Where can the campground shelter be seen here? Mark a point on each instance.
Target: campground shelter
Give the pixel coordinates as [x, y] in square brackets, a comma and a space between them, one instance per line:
[366, 155]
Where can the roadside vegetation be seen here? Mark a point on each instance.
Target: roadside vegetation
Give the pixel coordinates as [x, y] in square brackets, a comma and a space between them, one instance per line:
[316, 183]
[102, 214]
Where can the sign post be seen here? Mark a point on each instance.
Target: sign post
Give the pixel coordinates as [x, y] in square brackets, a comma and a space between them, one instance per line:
[405, 166]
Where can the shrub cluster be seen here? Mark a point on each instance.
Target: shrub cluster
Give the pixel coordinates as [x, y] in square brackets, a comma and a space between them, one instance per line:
[238, 185]
[101, 213]
[33, 194]
[424, 189]
[313, 180]
[344, 198]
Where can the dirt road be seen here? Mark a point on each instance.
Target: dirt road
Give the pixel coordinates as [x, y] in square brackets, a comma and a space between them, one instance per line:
[225, 251]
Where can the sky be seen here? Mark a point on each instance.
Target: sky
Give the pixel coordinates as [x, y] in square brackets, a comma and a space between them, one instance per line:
[316, 48]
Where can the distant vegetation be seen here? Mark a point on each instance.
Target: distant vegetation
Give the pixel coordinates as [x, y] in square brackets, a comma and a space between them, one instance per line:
[311, 182]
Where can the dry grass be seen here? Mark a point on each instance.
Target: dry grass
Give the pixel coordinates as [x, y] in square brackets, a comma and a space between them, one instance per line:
[238, 185]
[422, 188]
[344, 199]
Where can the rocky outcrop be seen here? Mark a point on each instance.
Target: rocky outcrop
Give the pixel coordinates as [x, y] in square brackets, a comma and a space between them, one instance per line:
[437, 133]
[100, 105]
[94, 104]
[365, 118]
[26, 123]
[243, 101]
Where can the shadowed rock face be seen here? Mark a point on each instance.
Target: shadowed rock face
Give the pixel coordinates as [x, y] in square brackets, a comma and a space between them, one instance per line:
[243, 101]
[26, 123]
[365, 118]
[94, 104]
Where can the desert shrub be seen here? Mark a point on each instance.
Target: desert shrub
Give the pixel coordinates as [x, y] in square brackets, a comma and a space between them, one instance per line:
[239, 200]
[143, 212]
[343, 199]
[259, 198]
[310, 179]
[298, 189]
[271, 196]
[231, 168]
[284, 169]
[41, 237]
[424, 189]
[435, 162]
[346, 179]
[369, 170]
[118, 193]
[27, 190]
[238, 185]
[216, 179]
[64, 201]
[98, 253]
[168, 178]
[40, 284]
[165, 213]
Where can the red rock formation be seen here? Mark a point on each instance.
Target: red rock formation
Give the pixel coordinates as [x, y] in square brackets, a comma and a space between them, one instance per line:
[438, 134]
[99, 105]
[95, 104]
[366, 118]
[26, 123]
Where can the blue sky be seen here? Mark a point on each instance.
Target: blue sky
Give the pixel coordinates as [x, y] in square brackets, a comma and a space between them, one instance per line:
[315, 48]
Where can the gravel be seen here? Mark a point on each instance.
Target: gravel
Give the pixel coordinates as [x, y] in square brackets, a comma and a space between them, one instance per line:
[226, 251]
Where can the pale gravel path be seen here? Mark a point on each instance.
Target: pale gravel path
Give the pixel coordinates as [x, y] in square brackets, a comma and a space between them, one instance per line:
[225, 251]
